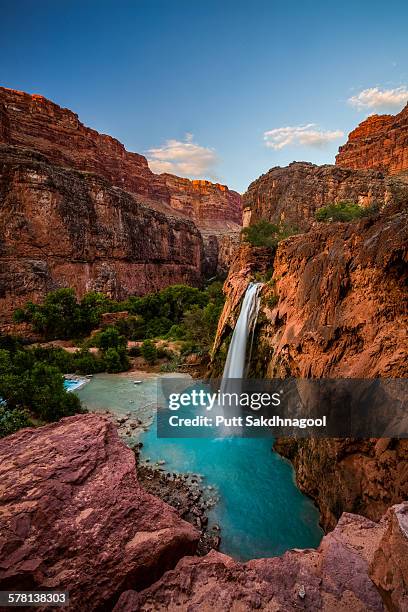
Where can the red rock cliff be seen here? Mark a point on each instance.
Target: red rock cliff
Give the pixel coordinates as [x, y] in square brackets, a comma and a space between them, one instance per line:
[339, 309]
[62, 227]
[379, 142]
[78, 209]
[292, 194]
[75, 518]
[35, 122]
[361, 567]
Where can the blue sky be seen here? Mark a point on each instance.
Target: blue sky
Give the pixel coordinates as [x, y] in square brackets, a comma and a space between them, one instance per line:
[196, 84]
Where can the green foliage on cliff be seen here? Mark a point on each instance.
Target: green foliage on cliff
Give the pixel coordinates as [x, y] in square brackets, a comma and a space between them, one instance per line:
[31, 387]
[266, 234]
[346, 210]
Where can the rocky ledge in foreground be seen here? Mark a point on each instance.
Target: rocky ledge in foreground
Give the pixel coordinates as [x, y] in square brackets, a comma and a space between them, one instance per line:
[360, 567]
[74, 517]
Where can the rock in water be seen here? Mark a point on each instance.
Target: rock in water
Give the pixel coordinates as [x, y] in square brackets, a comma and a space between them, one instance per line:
[73, 516]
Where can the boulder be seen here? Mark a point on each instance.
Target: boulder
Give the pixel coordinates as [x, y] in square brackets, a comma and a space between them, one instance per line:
[335, 577]
[73, 516]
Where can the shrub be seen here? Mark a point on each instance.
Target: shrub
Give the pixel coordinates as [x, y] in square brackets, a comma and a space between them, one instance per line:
[32, 385]
[163, 352]
[171, 366]
[149, 352]
[85, 362]
[113, 361]
[266, 234]
[345, 210]
[272, 300]
[176, 332]
[12, 420]
[61, 316]
[201, 325]
[135, 351]
[109, 338]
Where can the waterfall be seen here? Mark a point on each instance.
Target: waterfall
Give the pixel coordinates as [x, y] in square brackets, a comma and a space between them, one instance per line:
[236, 358]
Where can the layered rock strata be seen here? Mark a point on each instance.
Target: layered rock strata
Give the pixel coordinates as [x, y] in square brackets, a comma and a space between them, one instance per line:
[65, 228]
[380, 142]
[291, 195]
[336, 307]
[32, 121]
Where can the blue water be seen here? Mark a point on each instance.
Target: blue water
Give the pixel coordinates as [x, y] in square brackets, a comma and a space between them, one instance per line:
[261, 512]
[71, 384]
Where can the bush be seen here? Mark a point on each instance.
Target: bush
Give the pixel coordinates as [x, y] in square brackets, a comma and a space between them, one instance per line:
[109, 338]
[113, 362]
[272, 300]
[113, 347]
[134, 351]
[266, 234]
[61, 316]
[149, 352]
[201, 325]
[345, 210]
[32, 386]
[12, 420]
[85, 362]
[176, 332]
[164, 352]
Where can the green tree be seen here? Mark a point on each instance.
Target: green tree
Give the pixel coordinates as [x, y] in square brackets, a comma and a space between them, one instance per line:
[109, 338]
[149, 351]
[12, 420]
[113, 362]
[346, 210]
[266, 234]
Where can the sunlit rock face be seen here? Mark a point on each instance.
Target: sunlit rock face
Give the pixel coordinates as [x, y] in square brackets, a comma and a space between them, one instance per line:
[33, 122]
[291, 195]
[380, 142]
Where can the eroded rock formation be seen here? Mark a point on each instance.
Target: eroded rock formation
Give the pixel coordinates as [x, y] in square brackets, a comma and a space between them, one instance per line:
[73, 516]
[63, 227]
[356, 567]
[379, 142]
[291, 195]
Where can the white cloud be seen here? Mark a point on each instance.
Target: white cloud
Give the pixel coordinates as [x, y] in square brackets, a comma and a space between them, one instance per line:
[307, 135]
[375, 98]
[184, 158]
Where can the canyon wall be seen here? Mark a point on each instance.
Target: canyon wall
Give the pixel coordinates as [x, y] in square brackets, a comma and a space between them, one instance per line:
[380, 142]
[34, 122]
[61, 227]
[77, 209]
[336, 306]
[291, 195]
